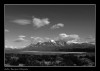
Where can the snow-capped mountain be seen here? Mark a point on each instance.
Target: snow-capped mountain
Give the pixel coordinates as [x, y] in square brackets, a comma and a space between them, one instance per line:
[52, 43]
[59, 45]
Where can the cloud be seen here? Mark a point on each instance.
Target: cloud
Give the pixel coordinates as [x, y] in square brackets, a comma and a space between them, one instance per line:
[68, 38]
[32, 37]
[20, 39]
[22, 36]
[57, 26]
[90, 39]
[6, 46]
[74, 36]
[39, 39]
[40, 22]
[72, 41]
[64, 35]
[13, 47]
[6, 30]
[22, 21]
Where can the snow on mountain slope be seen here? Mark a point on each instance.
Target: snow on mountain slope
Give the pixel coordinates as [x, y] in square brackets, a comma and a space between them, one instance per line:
[53, 45]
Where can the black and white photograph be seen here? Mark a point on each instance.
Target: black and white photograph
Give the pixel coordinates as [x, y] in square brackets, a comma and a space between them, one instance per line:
[49, 35]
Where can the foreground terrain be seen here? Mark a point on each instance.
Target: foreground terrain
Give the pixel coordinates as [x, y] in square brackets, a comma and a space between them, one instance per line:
[52, 54]
[31, 59]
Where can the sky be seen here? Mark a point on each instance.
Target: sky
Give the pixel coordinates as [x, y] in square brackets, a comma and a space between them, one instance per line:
[24, 24]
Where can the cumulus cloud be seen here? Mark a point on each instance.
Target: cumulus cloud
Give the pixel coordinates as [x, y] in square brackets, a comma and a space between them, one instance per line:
[40, 22]
[64, 35]
[90, 39]
[36, 38]
[22, 21]
[74, 38]
[39, 39]
[72, 41]
[6, 30]
[57, 26]
[69, 38]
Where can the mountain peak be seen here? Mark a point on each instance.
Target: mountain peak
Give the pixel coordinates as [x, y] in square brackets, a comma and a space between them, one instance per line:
[53, 41]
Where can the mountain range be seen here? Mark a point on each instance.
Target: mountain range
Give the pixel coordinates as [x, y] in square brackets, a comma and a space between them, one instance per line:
[59, 45]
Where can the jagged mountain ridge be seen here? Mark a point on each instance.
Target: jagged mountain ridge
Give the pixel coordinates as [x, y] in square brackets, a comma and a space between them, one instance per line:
[58, 46]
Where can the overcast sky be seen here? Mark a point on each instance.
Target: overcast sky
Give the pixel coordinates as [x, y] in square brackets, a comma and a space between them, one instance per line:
[23, 23]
